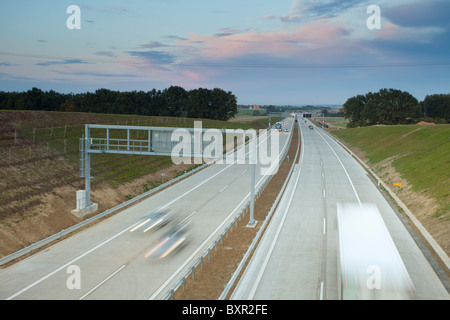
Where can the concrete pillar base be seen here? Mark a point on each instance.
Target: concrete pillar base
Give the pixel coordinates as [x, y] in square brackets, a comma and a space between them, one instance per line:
[252, 225]
[84, 212]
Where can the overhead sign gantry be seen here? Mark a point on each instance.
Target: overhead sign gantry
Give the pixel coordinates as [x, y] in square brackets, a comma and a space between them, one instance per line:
[200, 144]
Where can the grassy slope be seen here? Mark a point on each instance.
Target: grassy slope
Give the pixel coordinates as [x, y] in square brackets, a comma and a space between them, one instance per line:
[421, 156]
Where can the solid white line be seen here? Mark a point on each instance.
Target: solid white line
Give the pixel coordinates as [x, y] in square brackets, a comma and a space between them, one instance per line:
[69, 263]
[93, 289]
[321, 291]
[165, 284]
[346, 173]
[275, 239]
[108, 240]
[170, 279]
[115, 236]
[188, 217]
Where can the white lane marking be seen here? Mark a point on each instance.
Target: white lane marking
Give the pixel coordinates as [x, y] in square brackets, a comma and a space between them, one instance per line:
[120, 233]
[106, 241]
[166, 283]
[68, 264]
[224, 188]
[275, 239]
[109, 277]
[244, 172]
[190, 215]
[323, 193]
[321, 291]
[346, 173]
[324, 229]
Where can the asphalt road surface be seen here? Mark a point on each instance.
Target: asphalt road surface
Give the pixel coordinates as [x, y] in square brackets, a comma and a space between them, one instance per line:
[297, 257]
[112, 259]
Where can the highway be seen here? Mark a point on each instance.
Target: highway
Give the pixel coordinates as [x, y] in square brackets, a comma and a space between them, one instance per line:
[110, 260]
[297, 257]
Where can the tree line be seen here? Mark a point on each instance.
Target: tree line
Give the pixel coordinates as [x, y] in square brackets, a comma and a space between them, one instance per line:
[391, 106]
[171, 102]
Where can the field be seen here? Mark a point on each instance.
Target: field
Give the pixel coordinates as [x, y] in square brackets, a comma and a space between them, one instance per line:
[40, 169]
[416, 156]
[333, 122]
[246, 116]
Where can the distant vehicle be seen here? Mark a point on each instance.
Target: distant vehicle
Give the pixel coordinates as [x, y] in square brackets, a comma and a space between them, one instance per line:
[311, 127]
[286, 130]
[278, 126]
[369, 265]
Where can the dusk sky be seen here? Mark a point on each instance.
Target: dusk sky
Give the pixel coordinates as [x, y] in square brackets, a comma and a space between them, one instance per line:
[264, 51]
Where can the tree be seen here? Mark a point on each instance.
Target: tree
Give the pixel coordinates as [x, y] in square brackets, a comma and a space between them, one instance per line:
[387, 106]
[353, 108]
[436, 106]
[198, 103]
[224, 104]
[173, 101]
[211, 104]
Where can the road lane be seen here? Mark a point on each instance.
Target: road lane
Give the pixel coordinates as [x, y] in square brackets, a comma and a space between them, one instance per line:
[302, 261]
[109, 248]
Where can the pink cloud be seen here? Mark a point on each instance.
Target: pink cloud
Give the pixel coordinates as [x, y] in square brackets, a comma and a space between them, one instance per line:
[390, 31]
[277, 44]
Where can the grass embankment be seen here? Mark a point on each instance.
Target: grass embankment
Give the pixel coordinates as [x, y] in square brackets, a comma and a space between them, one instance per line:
[419, 153]
[416, 156]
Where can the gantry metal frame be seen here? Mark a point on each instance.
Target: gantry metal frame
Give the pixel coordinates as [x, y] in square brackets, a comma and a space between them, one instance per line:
[158, 143]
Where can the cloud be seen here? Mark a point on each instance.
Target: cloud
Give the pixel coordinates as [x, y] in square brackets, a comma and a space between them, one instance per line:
[312, 43]
[224, 32]
[420, 14]
[302, 11]
[175, 37]
[292, 18]
[97, 74]
[324, 8]
[154, 57]
[153, 44]
[64, 62]
[7, 64]
[108, 54]
[270, 17]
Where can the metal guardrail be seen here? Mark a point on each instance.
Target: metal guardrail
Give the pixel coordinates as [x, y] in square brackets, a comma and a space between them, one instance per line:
[199, 261]
[62, 233]
[258, 235]
[65, 232]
